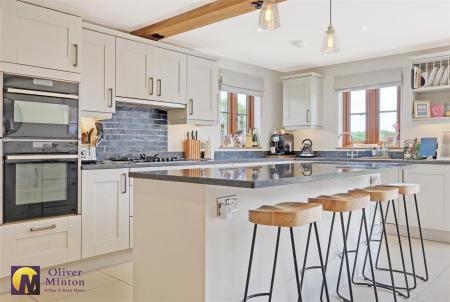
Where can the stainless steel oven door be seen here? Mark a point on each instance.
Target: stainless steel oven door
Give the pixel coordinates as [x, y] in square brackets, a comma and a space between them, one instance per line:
[39, 108]
[40, 185]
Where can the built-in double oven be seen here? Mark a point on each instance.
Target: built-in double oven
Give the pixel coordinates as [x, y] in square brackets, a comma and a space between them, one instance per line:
[40, 148]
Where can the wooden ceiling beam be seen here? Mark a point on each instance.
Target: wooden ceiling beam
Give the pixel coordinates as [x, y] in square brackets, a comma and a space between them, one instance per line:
[201, 16]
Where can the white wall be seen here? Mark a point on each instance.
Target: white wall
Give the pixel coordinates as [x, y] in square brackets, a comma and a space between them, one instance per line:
[326, 138]
[271, 109]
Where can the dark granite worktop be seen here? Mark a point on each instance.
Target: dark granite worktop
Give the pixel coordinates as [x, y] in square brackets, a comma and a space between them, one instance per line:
[269, 175]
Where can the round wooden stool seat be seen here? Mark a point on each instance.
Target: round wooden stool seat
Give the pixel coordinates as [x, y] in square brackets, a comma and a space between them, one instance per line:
[378, 193]
[344, 202]
[286, 214]
[405, 188]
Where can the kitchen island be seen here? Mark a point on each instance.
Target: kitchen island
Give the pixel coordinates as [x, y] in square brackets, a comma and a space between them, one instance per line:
[185, 250]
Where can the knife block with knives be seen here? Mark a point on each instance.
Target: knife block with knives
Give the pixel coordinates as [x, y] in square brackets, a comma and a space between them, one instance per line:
[192, 146]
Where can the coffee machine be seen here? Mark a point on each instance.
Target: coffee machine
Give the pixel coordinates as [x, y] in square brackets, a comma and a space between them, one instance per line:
[281, 143]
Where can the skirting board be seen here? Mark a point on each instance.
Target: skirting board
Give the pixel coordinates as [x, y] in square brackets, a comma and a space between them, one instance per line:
[432, 235]
[85, 265]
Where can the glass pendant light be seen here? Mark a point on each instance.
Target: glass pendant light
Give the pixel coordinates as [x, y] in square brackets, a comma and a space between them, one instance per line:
[269, 18]
[330, 44]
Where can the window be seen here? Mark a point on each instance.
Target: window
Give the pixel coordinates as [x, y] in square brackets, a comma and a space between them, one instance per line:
[372, 115]
[236, 112]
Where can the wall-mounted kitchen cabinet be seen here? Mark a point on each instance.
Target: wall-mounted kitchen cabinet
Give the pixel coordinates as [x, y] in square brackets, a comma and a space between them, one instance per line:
[302, 101]
[105, 211]
[44, 242]
[202, 94]
[39, 37]
[150, 73]
[98, 78]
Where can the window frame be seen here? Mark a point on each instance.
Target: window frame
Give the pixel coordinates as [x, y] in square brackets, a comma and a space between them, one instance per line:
[233, 112]
[372, 116]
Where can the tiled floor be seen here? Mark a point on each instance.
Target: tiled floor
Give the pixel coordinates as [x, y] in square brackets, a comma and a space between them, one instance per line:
[114, 284]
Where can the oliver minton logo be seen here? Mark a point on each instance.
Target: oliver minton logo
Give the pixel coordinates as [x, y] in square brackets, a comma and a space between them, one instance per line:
[25, 280]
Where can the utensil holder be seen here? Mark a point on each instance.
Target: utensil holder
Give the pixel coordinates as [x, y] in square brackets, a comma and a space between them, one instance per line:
[192, 149]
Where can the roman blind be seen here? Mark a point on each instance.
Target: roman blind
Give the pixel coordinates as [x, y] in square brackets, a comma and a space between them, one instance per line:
[371, 79]
[233, 81]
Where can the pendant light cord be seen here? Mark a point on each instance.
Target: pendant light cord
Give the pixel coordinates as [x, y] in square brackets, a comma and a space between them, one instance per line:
[330, 12]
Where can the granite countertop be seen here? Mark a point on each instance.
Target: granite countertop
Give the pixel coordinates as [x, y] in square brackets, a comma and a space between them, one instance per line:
[383, 160]
[269, 175]
[130, 165]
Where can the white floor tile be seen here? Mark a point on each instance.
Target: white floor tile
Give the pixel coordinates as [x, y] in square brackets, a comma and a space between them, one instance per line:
[116, 292]
[437, 291]
[123, 272]
[92, 280]
[9, 298]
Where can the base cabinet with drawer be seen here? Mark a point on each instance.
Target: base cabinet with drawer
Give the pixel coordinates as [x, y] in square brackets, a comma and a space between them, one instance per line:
[43, 242]
[433, 199]
[36, 36]
[105, 211]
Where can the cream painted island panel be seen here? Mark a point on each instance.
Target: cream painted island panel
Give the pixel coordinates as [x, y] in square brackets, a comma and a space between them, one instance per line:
[184, 252]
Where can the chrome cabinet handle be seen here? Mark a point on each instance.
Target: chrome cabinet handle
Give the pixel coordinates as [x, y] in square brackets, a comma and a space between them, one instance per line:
[150, 86]
[308, 120]
[75, 64]
[124, 183]
[110, 97]
[53, 226]
[158, 87]
[191, 106]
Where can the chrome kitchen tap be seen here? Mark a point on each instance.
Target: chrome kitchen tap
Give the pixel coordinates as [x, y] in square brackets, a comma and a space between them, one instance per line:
[351, 140]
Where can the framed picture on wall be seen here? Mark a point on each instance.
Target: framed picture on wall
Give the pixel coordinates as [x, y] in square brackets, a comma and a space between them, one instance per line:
[422, 109]
[444, 145]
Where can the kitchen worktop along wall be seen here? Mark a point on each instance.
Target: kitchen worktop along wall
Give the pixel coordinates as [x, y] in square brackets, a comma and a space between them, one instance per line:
[325, 138]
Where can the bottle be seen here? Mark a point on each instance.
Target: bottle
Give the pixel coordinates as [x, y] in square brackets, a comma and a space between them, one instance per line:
[255, 139]
[248, 139]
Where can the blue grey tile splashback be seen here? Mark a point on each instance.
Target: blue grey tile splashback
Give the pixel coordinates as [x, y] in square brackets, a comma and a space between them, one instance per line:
[132, 131]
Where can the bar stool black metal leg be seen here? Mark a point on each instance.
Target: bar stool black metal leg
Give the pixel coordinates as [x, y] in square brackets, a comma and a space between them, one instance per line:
[306, 256]
[388, 253]
[410, 245]
[370, 255]
[328, 252]
[321, 262]
[421, 241]
[381, 237]
[345, 256]
[250, 262]
[370, 240]
[294, 254]
[275, 263]
[401, 250]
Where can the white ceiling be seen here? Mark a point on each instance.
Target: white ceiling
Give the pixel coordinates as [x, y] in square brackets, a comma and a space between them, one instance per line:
[393, 26]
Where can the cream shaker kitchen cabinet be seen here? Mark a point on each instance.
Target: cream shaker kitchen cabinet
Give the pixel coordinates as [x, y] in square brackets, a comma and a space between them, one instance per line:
[40, 37]
[98, 78]
[302, 101]
[202, 94]
[433, 199]
[105, 211]
[135, 73]
[44, 242]
[150, 73]
[170, 81]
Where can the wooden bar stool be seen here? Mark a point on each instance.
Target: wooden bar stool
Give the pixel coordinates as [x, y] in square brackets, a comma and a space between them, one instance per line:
[404, 190]
[381, 194]
[288, 215]
[344, 203]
